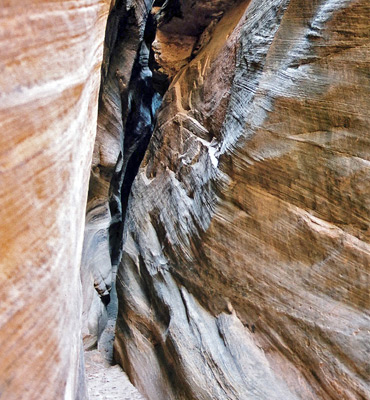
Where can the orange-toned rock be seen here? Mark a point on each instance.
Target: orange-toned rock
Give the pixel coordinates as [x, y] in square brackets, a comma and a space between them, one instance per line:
[50, 57]
[245, 271]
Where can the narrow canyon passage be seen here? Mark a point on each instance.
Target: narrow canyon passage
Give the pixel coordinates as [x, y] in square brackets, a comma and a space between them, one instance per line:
[105, 379]
[138, 90]
[185, 200]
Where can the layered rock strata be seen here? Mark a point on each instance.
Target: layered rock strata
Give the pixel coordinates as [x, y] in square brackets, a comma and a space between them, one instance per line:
[245, 262]
[245, 269]
[50, 58]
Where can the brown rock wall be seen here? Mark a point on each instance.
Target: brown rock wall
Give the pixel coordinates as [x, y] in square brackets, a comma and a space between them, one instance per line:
[245, 269]
[50, 57]
[123, 36]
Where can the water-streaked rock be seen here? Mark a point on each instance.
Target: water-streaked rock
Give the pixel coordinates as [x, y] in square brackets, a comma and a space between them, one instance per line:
[103, 230]
[50, 58]
[245, 271]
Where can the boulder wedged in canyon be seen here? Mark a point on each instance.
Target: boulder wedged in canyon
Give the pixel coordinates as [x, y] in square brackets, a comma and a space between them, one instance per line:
[245, 268]
[50, 58]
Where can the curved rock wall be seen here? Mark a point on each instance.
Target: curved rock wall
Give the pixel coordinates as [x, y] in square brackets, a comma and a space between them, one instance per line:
[103, 230]
[245, 270]
[125, 121]
[50, 57]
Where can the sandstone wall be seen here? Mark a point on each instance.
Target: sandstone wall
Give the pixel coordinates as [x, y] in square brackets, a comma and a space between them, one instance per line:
[50, 58]
[245, 271]
[103, 230]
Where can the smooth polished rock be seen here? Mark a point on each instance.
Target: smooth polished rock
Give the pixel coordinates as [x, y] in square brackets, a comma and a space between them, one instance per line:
[50, 58]
[123, 37]
[245, 270]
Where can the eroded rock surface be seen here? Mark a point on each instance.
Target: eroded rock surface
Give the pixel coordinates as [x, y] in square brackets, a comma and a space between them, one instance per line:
[245, 270]
[50, 58]
[127, 106]
[245, 264]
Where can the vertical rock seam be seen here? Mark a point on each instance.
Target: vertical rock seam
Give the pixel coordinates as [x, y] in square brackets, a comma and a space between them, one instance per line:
[124, 71]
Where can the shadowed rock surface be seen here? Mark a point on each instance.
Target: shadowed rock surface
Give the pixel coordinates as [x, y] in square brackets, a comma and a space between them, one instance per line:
[245, 269]
[50, 58]
[105, 379]
[123, 38]
[127, 106]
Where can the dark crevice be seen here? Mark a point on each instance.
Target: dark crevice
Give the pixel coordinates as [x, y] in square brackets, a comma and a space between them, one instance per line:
[140, 103]
[169, 9]
[159, 3]
[119, 23]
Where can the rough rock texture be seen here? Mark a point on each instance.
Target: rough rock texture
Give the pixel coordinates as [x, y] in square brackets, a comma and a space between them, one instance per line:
[125, 75]
[245, 270]
[183, 27]
[50, 57]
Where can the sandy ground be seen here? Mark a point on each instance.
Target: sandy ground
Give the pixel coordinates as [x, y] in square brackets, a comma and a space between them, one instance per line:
[104, 380]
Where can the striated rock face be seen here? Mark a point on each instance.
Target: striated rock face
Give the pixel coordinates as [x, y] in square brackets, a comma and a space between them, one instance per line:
[244, 246]
[50, 57]
[127, 105]
[245, 269]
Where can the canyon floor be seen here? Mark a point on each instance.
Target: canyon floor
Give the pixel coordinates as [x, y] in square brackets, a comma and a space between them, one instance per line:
[106, 380]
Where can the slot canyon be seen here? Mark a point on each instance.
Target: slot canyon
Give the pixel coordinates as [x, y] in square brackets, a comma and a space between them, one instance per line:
[185, 199]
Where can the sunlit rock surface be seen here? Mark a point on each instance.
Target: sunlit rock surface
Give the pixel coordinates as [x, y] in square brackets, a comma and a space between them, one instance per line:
[50, 58]
[245, 270]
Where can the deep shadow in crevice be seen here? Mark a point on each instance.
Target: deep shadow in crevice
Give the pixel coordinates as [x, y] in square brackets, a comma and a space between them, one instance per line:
[145, 91]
